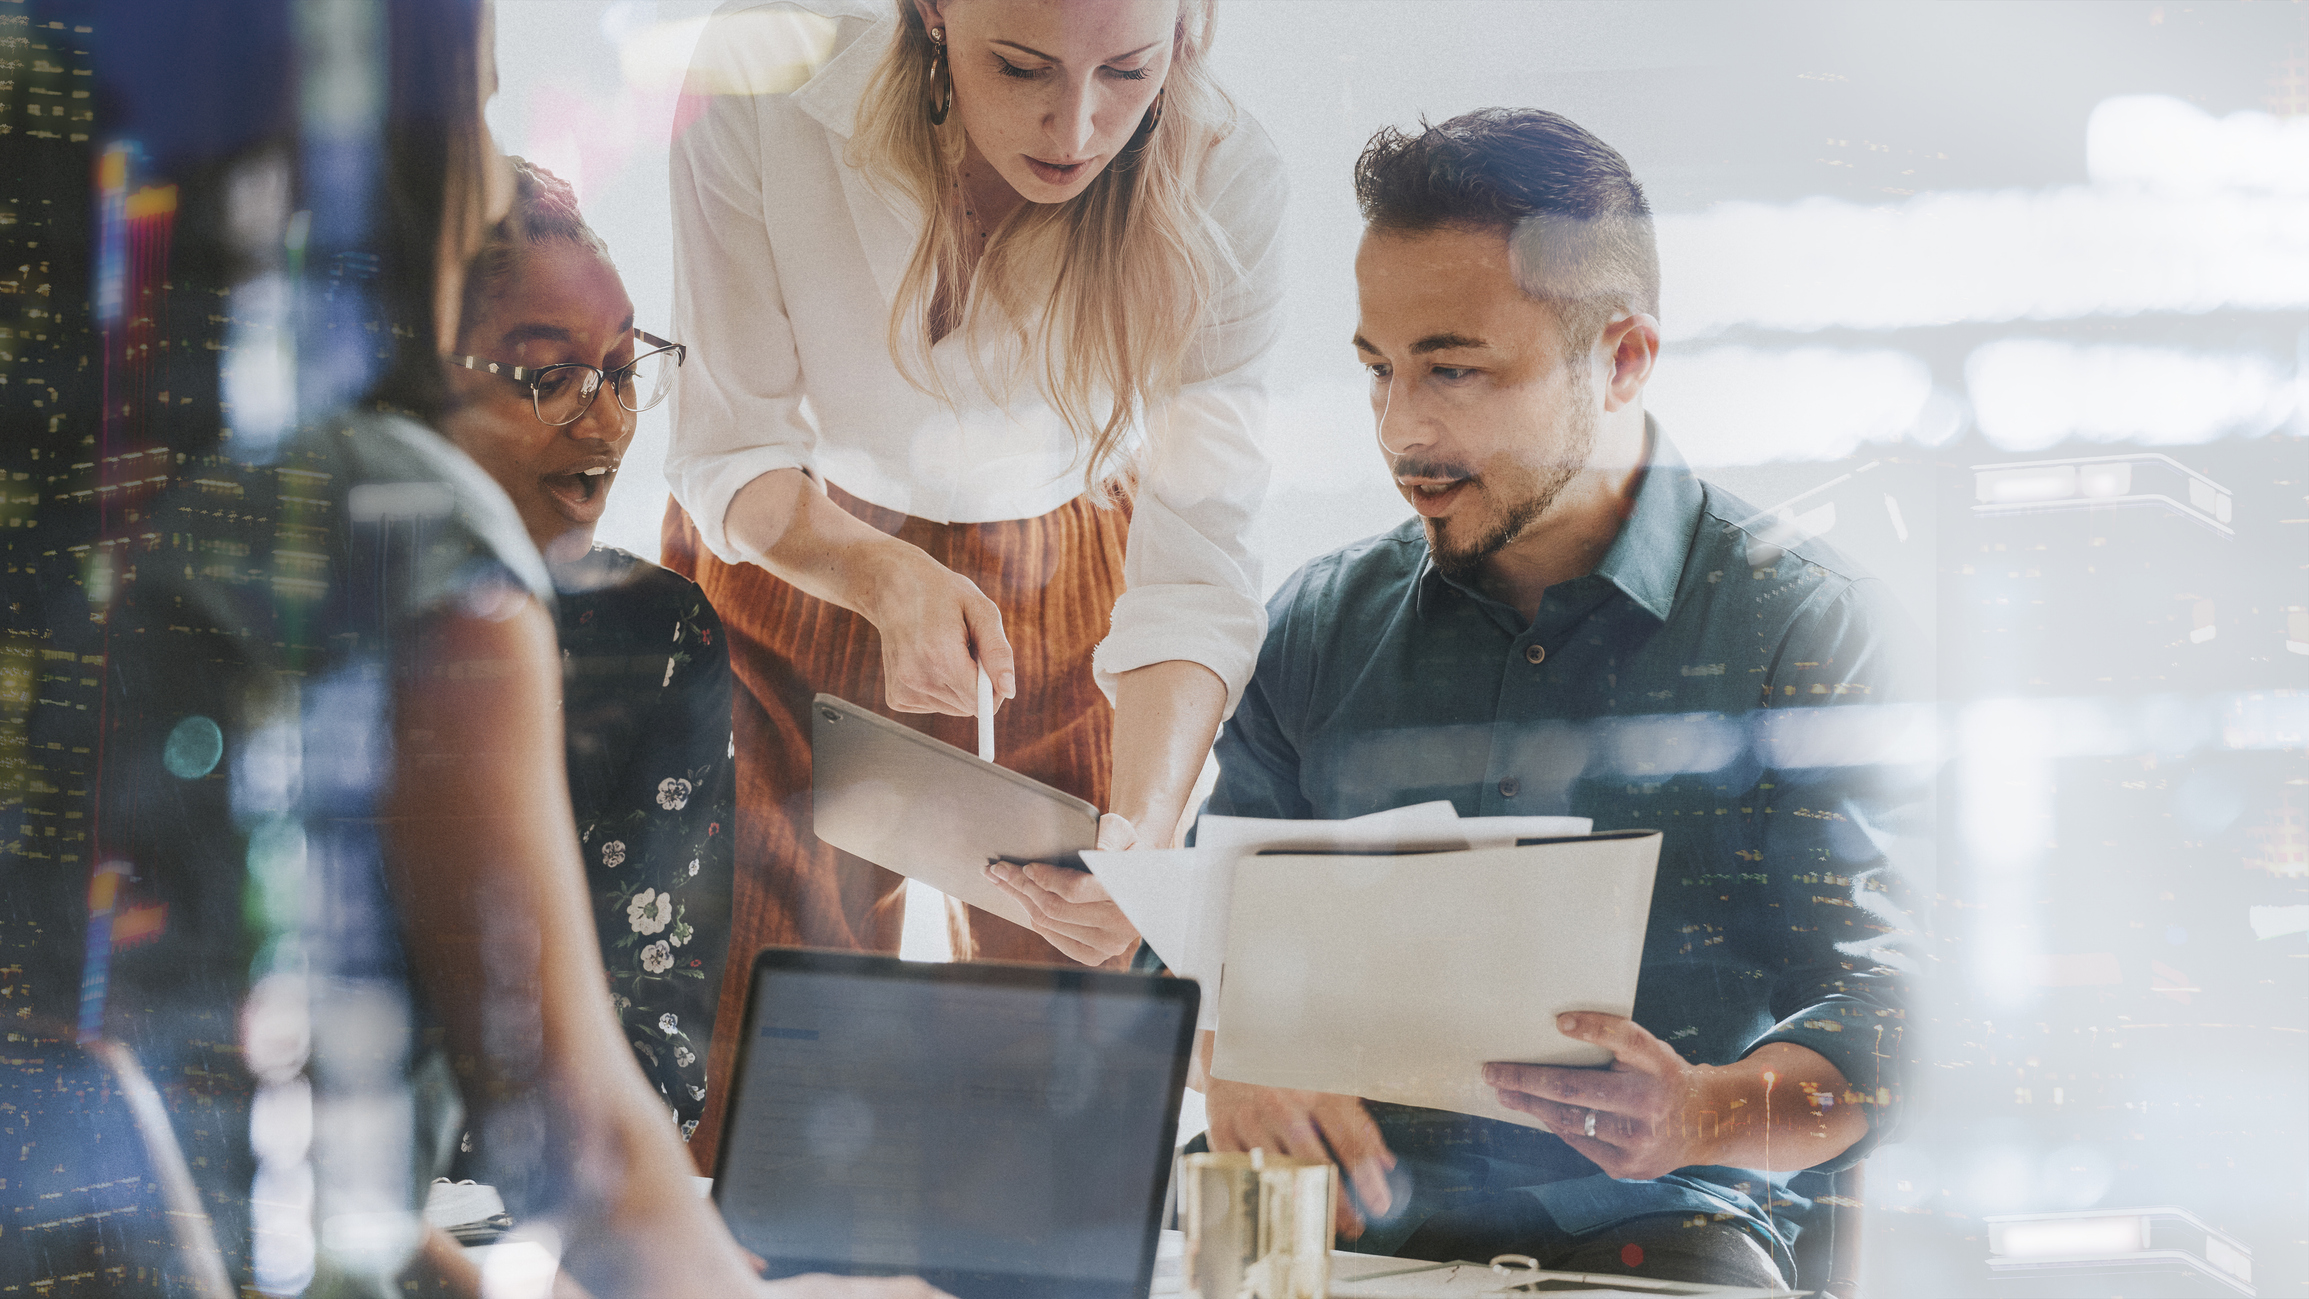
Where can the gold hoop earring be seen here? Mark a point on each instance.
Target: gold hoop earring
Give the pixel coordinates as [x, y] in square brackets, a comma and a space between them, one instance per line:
[938, 93]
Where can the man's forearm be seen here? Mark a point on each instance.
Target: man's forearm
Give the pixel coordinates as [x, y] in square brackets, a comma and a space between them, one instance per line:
[1783, 1108]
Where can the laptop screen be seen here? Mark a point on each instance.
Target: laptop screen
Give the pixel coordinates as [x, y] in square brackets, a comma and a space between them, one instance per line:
[996, 1130]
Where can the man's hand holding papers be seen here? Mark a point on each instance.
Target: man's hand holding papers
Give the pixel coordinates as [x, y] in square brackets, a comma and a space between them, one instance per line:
[1652, 1112]
[1397, 976]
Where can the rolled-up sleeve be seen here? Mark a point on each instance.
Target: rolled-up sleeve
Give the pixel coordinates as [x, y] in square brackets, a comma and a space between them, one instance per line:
[1191, 579]
[737, 407]
[1847, 752]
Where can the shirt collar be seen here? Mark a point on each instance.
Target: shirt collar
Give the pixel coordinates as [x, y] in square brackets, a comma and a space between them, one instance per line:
[1646, 560]
[831, 96]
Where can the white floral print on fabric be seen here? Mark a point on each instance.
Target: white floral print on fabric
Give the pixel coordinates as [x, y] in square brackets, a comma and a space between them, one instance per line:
[657, 780]
[649, 912]
[668, 1022]
[693, 865]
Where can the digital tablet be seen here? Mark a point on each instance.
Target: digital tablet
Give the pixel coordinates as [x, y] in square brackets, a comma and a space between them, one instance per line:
[930, 811]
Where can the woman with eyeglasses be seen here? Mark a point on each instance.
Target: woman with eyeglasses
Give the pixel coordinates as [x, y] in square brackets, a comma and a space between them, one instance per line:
[981, 292]
[550, 375]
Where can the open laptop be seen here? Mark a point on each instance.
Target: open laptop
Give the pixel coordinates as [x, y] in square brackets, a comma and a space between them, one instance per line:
[1002, 1131]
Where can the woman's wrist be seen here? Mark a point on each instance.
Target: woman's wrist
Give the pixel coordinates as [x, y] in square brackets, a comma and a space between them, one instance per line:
[871, 571]
[1154, 819]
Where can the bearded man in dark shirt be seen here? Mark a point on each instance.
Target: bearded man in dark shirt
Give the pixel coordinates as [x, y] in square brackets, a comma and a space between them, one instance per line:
[1575, 624]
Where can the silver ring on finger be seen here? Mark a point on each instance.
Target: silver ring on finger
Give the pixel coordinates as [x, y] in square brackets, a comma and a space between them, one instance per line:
[1589, 1129]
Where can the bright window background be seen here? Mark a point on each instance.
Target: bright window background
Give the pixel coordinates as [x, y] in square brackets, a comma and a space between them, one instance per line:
[1898, 242]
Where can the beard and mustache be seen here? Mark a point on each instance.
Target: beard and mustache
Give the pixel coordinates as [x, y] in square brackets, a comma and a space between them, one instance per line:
[1517, 495]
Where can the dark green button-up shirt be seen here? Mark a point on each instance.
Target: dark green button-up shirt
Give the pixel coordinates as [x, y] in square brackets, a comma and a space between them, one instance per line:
[1732, 689]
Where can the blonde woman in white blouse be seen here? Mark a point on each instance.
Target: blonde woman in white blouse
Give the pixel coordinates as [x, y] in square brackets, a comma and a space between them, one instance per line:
[978, 294]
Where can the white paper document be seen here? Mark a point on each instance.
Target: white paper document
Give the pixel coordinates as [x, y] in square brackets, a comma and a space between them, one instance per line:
[1396, 977]
[471, 1212]
[1177, 899]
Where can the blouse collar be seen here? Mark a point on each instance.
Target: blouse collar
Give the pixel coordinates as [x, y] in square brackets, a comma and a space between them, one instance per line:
[832, 95]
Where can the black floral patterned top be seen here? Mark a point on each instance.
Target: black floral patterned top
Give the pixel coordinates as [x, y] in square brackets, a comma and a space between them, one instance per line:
[646, 704]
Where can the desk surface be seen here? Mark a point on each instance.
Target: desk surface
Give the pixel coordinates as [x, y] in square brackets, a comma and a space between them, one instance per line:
[1353, 1276]
[1364, 1276]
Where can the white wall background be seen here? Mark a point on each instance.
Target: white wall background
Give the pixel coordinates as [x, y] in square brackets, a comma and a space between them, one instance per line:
[2179, 211]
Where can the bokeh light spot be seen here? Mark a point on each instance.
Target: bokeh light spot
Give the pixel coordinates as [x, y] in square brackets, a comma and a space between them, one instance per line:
[193, 748]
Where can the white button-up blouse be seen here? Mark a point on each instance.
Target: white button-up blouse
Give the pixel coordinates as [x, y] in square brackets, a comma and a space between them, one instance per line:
[786, 260]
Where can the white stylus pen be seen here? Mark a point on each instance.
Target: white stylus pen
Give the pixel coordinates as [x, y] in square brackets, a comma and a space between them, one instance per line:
[985, 715]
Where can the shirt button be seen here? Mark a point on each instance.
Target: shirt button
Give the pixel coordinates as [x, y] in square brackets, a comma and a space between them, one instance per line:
[1535, 652]
[1510, 787]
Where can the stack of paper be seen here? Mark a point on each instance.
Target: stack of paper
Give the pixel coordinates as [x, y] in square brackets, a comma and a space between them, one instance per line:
[1179, 898]
[1397, 977]
[1392, 956]
[472, 1213]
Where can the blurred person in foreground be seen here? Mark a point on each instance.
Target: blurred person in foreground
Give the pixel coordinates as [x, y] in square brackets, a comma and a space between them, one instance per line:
[376, 917]
[549, 373]
[1576, 624]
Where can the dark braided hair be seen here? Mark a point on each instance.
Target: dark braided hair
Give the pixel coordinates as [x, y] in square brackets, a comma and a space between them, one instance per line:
[544, 209]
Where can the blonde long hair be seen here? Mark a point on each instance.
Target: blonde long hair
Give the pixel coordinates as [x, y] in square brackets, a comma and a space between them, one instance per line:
[1106, 290]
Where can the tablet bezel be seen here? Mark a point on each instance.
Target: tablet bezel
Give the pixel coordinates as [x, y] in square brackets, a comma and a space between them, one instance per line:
[1042, 824]
[901, 731]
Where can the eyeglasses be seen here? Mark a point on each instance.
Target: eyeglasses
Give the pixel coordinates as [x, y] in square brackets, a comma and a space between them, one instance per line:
[561, 394]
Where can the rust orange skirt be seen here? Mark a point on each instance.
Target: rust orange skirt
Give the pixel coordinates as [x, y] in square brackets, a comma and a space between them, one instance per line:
[1055, 578]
